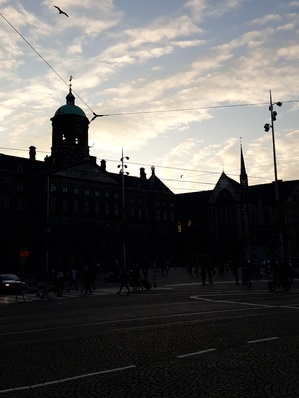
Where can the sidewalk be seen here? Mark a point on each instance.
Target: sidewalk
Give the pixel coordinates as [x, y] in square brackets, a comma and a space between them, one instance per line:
[176, 276]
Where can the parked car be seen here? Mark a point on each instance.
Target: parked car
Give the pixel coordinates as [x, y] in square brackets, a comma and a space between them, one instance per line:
[10, 284]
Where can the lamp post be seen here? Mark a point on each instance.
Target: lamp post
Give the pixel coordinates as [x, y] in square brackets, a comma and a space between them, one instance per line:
[122, 167]
[267, 127]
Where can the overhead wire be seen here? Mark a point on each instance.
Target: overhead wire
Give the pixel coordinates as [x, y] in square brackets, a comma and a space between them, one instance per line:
[46, 62]
[135, 112]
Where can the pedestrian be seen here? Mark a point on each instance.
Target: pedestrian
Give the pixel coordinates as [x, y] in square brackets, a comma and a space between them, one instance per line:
[210, 270]
[86, 281]
[190, 270]
[136, 278]
[248, 273]
[203, 273]
[167, 267]
[235, 270]
[73, 279]
[60, 283]
[93, 278]
[124, 280]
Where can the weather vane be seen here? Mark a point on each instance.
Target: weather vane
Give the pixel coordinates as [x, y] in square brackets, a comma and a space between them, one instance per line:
[70, 79]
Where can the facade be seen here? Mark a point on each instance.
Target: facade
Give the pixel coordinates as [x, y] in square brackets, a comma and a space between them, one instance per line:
[67, 211]
[238, 222]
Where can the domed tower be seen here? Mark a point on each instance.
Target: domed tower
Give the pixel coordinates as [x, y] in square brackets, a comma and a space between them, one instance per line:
[69, 134]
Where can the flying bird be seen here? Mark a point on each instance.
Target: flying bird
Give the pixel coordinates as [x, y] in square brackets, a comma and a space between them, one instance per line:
[61, 12]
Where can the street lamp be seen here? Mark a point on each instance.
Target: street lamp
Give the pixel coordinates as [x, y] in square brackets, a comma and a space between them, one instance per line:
[267, 127]
[122, 167]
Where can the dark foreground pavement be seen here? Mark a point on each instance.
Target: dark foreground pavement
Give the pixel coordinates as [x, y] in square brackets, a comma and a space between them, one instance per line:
[181, 339]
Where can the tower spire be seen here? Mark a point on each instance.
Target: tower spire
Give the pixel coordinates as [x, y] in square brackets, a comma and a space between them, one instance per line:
[243, 174]
[70, 99]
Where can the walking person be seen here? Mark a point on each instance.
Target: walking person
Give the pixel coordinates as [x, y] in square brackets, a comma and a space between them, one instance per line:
[203, 273]
[248, 273]
[190, 270]
[93, 278]
[124, 280]
[60, 283]
[235, 270]
[86, 281]
[73, 279]
[210, 271]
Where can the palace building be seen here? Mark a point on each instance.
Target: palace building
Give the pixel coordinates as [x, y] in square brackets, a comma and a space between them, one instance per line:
[67, 211]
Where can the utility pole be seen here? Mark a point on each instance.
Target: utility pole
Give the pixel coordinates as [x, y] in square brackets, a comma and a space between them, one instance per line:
[267, 127]
[122, 167]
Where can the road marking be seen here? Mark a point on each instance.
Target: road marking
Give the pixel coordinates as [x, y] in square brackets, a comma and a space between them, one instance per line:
[68, 379]
[196, 353]
[232, 302]
[261, 340]
[127, 320]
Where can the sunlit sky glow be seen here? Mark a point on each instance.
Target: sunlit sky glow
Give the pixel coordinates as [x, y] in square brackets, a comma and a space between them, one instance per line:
[135, 56]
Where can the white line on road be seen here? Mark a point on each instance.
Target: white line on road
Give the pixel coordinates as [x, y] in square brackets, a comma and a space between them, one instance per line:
[232, 302]
[101, 323]
[261, 340]
[196, 353]
[67, 379]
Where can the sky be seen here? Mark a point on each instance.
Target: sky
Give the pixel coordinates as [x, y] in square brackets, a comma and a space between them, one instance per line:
[184, 84]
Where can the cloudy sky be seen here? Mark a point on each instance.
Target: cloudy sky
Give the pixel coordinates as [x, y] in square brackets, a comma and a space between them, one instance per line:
[182, 81]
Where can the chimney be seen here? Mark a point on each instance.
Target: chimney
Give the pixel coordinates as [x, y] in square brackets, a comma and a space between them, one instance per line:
[32, 152]
[142, 173]
[103, 165]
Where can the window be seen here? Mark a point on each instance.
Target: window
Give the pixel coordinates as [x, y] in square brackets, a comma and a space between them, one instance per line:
[64, 189]
[158, 215]
[52, 188]
[107, 210]
[64, 204]
[52, 203]
[20, 188]
[97, 207]
[19, 204]
[86, 206]
[140, 214]
[76, 205]
[86, 192]
[97, 193]
[116, 211]
[6, 203]
[76, 190]
[107, 195]
[116, 195]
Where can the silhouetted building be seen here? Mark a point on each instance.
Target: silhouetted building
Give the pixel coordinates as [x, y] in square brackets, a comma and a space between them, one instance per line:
[67, 211]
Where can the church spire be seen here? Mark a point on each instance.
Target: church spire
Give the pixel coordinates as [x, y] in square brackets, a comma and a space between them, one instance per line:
[243, 174]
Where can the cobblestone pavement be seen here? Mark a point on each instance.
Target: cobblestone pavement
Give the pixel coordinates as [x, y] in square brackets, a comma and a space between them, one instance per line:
[220, 340]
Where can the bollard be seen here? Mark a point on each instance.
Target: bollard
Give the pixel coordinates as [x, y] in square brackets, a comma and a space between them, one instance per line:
[155, 274]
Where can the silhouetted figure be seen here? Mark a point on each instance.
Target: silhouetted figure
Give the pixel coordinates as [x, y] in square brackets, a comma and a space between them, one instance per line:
[190, 271]
[86, 281]
[210, 270]
[235, 270]
[136, 278]
[60, 283]
[73, 279]
[124, 280]
[203, 273]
